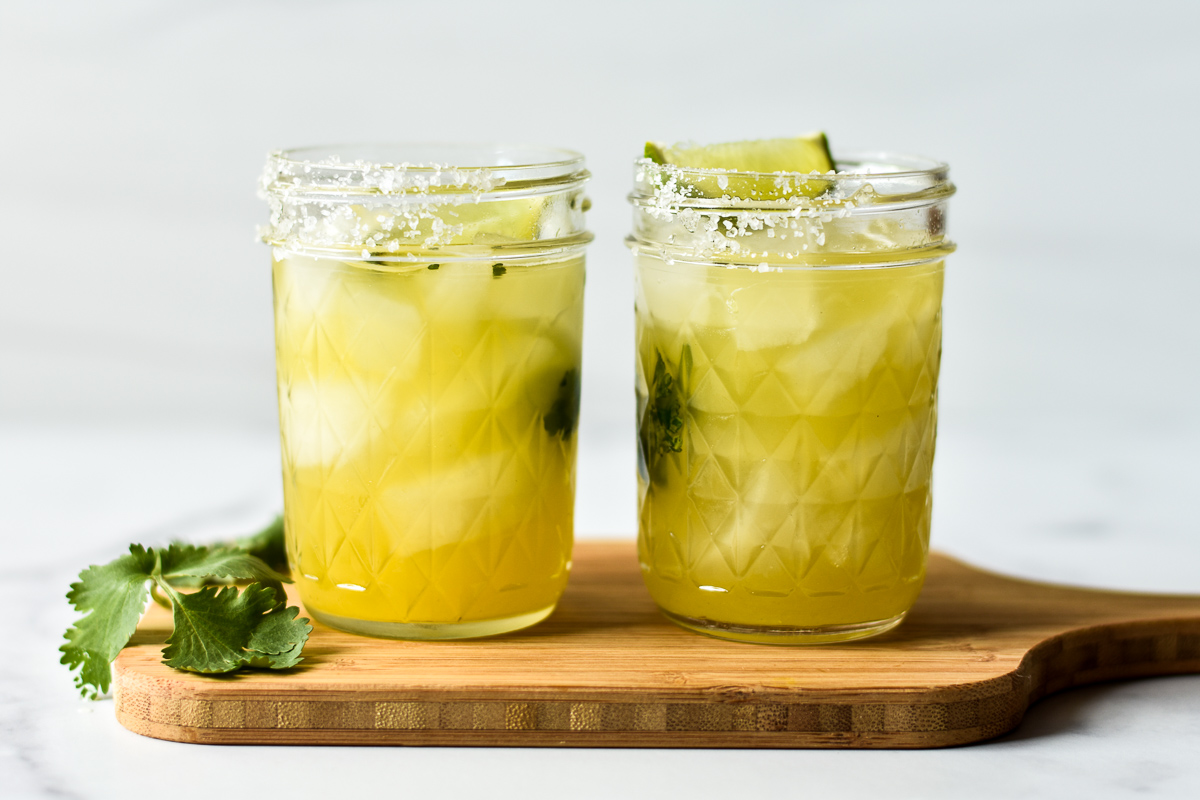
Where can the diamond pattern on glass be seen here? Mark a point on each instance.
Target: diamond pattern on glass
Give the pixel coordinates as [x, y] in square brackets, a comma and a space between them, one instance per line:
[420, 483]
[800, 495]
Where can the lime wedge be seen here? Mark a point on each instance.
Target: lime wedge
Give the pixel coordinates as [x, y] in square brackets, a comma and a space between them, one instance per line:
[805, 154]
[420, 226]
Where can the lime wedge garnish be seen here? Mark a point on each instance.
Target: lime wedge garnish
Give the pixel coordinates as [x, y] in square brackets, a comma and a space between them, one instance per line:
[805, 154]
[394, 230]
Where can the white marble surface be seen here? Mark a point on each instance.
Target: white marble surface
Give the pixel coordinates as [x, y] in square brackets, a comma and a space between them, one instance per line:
[136, 384]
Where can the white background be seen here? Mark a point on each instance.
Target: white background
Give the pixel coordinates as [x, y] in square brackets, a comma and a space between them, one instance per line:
[136, 360]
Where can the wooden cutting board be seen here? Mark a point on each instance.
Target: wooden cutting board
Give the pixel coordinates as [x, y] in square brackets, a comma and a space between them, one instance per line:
[607, 670]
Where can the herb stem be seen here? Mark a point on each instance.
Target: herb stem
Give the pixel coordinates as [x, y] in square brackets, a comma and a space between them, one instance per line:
[158, 597]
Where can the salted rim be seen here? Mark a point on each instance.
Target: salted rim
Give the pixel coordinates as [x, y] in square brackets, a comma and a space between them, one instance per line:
[406, 167]
[336, 151]
[871, 183]
[891, 166]
[895, 179]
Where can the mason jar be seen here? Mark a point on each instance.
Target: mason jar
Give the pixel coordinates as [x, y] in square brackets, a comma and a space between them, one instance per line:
[789, 332]
[428, 324]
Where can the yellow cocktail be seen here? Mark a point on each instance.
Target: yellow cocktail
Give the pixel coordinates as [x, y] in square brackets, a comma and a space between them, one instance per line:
[787, 385]
[428, 395]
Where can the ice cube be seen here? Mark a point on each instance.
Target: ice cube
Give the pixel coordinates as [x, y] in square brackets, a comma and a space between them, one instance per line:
[456, 290]
[322, 422]
[302, 287]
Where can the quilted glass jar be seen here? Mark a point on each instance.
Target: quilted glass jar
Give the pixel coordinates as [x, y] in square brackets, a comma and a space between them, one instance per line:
[428, 322]
[788, 349]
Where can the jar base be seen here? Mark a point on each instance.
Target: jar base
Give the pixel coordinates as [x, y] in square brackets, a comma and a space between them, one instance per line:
[785, 635]
[432, 631]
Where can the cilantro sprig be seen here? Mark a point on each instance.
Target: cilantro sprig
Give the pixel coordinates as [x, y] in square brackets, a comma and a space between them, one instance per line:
[217, 628]
[665, 433]
[563, 415]
[661, 429]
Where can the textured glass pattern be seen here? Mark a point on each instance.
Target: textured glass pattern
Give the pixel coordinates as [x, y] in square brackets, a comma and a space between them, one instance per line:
[427, 415]
[787, 424]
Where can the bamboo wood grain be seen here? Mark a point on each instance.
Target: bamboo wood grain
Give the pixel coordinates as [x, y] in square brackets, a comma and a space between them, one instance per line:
[607, 670]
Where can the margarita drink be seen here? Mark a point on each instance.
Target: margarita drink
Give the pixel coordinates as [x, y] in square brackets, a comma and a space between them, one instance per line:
[787, 386]
[428, 395]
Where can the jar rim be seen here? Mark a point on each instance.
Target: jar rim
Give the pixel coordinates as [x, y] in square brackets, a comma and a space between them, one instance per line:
[872, 163]
[880, 209]
[420, 167]
[891, 178]
[393, 200]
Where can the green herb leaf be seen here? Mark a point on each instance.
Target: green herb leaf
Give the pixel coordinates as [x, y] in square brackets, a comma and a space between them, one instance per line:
[666, 406]
[279, 638]
[216, 630]
[222, 629]
[268, 544]
[113, 596]
[498, 270]
[563, 415]
[181, 562]
[661, 430]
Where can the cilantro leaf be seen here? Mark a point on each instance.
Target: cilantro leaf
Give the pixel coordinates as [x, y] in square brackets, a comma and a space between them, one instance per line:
[182, 561]
[560, 420]
[216, 630]
[279, 638]
[268, 544]
[113, 596]
[222, 629]
[661, 430]
[664, 411]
